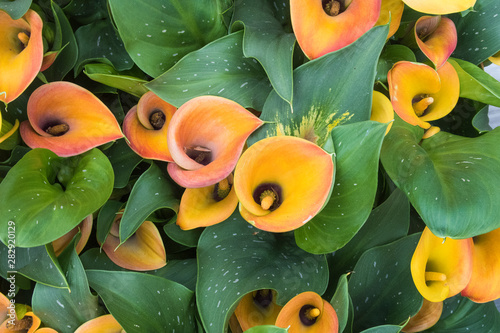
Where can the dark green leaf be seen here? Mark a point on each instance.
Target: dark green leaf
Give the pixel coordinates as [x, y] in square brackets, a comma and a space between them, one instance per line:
[185, 237]
[85, 11]
[180, 271]
[123, 160]
[105, 219]
[481, 120]
[384, 329]
[266, 329]
[340, 302]
[15, 8]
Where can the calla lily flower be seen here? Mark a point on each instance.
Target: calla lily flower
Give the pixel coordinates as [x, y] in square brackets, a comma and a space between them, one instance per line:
[382, 109]
[440, 7]
[29, 323]
[85, 227]
[391, 10]
[21, 53]
[420, 94]
[103, 324]
[257, 308]
[441, 268]
[206, 206]
[431, 131]
[68, 120]
[428, 316]
[436, 37]
[322, 27]
[282, 182]
[205, 137]
[308, 312]
[495, 58]
[484, 285]
[143, 251]
[145, 127]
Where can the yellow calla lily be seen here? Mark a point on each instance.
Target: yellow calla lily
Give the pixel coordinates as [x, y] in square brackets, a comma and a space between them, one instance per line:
[257, 308]
[382, 109]
[440, 7]
[495, 58]
[426, 317]
[103, 324]
[391, 10]
[436, 37]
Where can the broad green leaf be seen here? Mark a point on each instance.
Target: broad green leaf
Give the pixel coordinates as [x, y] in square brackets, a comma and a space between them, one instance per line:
[266, 329]
[357, 148]
[47, 196]
[123, 160]
[107, 75]
[328, 91]
[85, 11]
[340, 302]
[234, 258]
[96, 259]
[185, 237]
[158, 33]
[384, 329]
[476, 84]
[459, 121]
[15, 8]
[381, 285]
[219, 69]
[152, 191]
[105, 219]
[145, 303]
[453, 182]
[390, 55]
[267, 40]
[62, 309]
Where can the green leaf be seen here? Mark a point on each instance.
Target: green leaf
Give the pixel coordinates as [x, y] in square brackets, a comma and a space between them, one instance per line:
[145, 303]
[105, 219]
[123, 160]
[180, 271]
[107, 75]
[185, 237]
[15, 8]
[85, 11]
[340, 302]
[390, 55]
[476, 84]
[219, 69]
[381, 286]
[157, 33]
[453, 182]
[267, 40]
[331, 90]
[266, 329]
[13, 140]
[384, 329]
[357, 147]
[234, 258]
[95, 259]
[481, 120]
[47, 196]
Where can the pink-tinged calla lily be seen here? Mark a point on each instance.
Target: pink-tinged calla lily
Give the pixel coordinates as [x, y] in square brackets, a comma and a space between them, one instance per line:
[48, 60]
[382, 109]
[420, 94]
[282, 182]
[436, 37]
[391, 10]
[495, 58]
[440, 7]
[308, 313]
[143, 251]
[484, 285]
[206, 206]
[85, 227]
[68, 120]
[205, 137]
[21, 53]
[322, 27]
[428, 316]
[257, 308]
[146, 127]
[441, 268]
[103, 324]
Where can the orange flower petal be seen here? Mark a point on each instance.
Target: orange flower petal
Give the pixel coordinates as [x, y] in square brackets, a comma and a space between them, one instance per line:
[4, 310]
[46, 330]
[29, 324]
[21, 53]
[428, 316]
[382, 110]
[440, 7]
[441, 268]
[484, 285]
[77, 119]
[85, 227]
[257, 308]
[308, 312]
[391, 10]
[148, 141]
[102, 324]
[48, 60]
[205, 137]
[436, 37]
[283, 167]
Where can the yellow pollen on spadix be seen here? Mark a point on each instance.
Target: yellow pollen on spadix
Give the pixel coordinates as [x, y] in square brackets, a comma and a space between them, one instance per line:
[422, 105]
[267, 199]
[313, 313]
[23, 37]
[435, 276]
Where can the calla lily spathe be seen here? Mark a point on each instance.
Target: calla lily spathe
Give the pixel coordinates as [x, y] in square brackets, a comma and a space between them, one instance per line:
[103, 324]
[436, 37]
[391, 10]
[68, 120]
[382, 109]
[426, 317]
[257, 308]
[10, 323]
[495, 58]
[85, 227]
[440, 7]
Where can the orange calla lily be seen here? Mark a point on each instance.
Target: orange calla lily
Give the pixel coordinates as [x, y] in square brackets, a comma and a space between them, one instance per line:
[85, 227]
[322, 27]
[282, 182]
[21, 53]
[382, 109]
[205, 137]
[391, 10]
[420, 94]
[436, 37]
[30, 323]
[484, 285]
[143, 251]
[495, 58]
[440, 7]
[257, 308]
[206, 206]
[145, 126]
[441, 268]
[103, 324]
[426, 317]
[308, 312]
[68, 120]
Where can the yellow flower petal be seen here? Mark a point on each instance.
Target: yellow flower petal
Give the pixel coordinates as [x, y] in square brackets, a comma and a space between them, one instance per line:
[440, 7]
[102, 324]
[257, 308]
[382, 110]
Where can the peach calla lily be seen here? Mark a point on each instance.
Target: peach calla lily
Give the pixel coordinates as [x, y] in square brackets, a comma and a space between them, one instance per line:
[391, 10]
[436, 37]
[282, 182]
[145, 126]
[68, 120]
[382, 109]
[308, 312]
[21, 53]
[440, 7]
[428, 316]
[143, 251]
[420, 94]
[322, 27]
[205, 137]
[85, 227]
[103, 324]
[441, 268]
[257, 308]
[206, 206]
